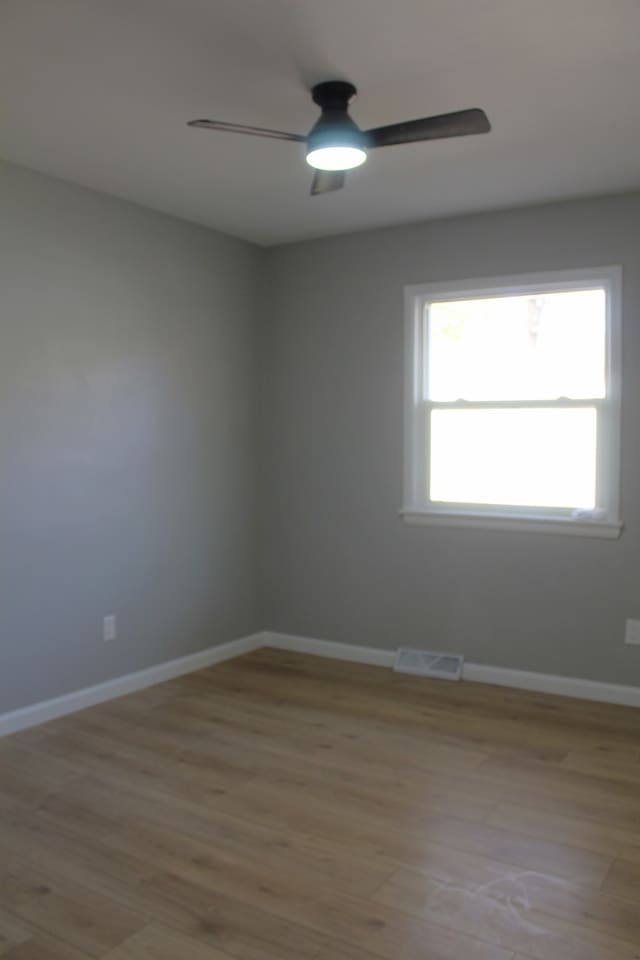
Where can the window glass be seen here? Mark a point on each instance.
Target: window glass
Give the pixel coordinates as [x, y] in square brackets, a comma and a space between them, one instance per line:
[536, 347]
[522, 457]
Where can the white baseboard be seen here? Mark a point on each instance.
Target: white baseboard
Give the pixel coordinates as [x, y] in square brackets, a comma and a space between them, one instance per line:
[502, 676]
[38, 713]
[551, 683]
[327, 648]
[477, 672]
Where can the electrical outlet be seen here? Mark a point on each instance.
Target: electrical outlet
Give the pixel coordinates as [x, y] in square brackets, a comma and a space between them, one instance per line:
[109, 630]
[632, 632]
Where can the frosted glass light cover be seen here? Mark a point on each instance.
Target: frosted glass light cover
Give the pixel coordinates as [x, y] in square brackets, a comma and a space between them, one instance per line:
[336, 158]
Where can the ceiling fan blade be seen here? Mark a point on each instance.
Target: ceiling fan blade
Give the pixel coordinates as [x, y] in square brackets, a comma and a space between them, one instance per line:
[243, 128]
[462, 123]
[324, 181]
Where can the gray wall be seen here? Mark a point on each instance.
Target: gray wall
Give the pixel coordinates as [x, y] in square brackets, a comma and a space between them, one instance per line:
[336, 561]
[127, 446]
[132, 469]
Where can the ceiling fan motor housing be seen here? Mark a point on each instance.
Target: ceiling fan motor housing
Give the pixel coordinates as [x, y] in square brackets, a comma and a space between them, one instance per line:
[334, 124]
[333, 94]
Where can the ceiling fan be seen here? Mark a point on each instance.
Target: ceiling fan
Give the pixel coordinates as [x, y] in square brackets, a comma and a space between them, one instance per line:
[335, 143]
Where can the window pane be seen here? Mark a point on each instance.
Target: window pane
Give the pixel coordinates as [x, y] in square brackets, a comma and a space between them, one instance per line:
[536, 347]
[514, 457]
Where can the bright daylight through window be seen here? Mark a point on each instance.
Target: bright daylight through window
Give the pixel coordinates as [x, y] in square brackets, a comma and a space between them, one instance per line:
[512, 403]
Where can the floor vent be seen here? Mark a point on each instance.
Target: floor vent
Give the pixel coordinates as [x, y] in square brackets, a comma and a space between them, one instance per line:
[426, 663]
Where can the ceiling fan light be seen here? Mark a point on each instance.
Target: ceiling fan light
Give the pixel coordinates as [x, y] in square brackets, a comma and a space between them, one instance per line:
[335, 142]
[336, 157]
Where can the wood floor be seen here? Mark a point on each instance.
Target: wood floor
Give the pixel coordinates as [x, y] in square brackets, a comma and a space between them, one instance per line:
[286, 807]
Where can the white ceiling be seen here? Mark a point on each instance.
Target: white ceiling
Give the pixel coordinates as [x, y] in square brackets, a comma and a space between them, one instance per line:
[98, 92]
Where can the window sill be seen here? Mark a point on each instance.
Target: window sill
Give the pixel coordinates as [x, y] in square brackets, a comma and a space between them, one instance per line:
[602, 529]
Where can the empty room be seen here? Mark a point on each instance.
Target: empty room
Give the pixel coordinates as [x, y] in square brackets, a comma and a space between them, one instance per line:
[319, 480]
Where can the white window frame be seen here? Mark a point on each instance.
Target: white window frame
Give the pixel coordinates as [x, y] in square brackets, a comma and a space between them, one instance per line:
[604, 521]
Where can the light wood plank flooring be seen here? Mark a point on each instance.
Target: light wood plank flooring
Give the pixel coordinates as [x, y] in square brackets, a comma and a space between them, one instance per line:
[286, 807]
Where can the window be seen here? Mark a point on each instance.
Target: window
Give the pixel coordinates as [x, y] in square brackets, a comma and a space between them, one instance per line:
[513, 403]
